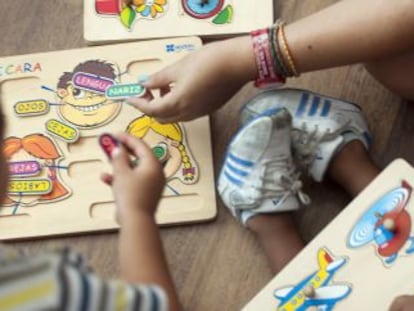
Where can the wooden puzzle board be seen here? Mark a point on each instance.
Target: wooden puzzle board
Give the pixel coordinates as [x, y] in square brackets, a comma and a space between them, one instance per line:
[111, 20]
[40, 157]
[370, 266]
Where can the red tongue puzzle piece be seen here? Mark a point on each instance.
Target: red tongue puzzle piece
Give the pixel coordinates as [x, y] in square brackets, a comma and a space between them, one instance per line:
[108, 143]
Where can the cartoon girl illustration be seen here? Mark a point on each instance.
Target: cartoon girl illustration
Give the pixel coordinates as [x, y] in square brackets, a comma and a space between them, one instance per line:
[167, 143]
[36, 147]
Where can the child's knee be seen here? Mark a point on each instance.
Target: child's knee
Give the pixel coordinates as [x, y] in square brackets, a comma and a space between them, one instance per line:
[396, 74]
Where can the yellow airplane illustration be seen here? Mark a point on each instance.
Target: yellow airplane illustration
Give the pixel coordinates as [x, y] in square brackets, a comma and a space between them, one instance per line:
[316, 290]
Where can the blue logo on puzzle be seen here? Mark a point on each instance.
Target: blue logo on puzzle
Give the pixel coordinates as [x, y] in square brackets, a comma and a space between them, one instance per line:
[171, 48]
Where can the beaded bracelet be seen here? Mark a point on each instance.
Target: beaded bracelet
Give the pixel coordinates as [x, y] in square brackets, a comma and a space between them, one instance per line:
[277, 53]
[286, 50]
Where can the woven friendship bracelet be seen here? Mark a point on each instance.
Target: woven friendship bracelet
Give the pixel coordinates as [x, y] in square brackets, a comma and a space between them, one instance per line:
[276, 51]
[267, 74]
[286, 50]
[274, 59]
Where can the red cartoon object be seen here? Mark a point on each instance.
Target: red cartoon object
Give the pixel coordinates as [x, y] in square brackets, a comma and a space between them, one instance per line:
[108, 7]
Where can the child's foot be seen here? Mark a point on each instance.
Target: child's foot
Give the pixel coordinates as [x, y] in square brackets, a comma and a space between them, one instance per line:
[258, 175]
[322, 125]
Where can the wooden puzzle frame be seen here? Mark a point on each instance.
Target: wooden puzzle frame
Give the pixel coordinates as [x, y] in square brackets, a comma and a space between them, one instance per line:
[56, 109]
[120, 20]
[358, 262]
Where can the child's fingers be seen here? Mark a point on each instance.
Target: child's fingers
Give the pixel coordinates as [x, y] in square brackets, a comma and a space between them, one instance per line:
[136, 146]
[177, 116]
[120, 160]
[138, 102]
[403, 302]
[107, 178]
[173, 119]
[162, 107]
[164, 90]
[159, 79]
[148, 96]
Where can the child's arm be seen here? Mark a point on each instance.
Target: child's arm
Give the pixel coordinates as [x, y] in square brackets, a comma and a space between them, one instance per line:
[201, 82]
[347, 32]
[137, 191]
[352, 31]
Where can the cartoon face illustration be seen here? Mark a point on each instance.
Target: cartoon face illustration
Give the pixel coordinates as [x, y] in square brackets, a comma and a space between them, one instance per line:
[82, 108]
[202, 8]
[167, 149]
[206, 9]
[38, 150]
[167, 143]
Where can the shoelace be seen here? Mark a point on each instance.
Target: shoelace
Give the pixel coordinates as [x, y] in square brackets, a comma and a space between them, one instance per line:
[306, 142]
[287, 184]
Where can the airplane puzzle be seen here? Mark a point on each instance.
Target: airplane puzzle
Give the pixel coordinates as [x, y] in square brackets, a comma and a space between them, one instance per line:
[57, 106]
[122, 20]
[363, 257]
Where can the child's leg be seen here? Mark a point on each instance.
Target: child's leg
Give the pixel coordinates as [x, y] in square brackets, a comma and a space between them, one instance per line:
[396, 73]
[278, 236]
[330, 136]
[258, 183]
[352, 168]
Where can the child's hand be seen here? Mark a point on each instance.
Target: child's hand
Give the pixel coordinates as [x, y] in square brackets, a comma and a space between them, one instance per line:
[136, 189]
[201, 82]
[403, 303]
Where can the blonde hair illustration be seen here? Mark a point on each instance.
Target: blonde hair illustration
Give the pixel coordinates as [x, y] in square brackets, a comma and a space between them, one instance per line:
[172, 131]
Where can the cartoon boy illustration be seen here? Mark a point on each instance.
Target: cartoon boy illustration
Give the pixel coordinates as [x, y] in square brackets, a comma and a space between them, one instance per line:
[82, 108]
[39, 148]
[167, 143]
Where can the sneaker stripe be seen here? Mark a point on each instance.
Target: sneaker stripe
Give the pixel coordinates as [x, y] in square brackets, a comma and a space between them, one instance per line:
[315, 106]
[236, 170]
[240, 161]
[302, 105]
[232, 179]
[326, 107]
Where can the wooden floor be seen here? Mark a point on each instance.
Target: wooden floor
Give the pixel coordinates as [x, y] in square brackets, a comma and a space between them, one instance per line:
[219, 265]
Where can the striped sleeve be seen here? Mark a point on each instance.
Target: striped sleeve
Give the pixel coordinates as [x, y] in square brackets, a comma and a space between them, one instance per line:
[97, 294]
[52, 282]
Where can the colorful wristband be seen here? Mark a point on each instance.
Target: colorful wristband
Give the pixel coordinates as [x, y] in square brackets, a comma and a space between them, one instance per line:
[267, 75]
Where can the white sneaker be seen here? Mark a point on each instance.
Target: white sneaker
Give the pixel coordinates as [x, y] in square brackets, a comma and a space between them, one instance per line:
[322, 125]
[258, 175]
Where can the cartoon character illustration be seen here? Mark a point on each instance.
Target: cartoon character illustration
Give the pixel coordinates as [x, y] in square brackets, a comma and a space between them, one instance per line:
[127, 10]
[86, 108]
[317, 289]
[205, 9]
[167, 142]
[130, 10]
[387, 224]
[40, 156]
